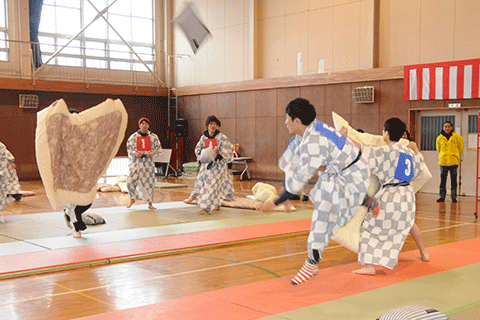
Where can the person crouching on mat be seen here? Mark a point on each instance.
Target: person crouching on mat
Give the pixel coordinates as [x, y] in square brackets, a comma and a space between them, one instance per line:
[339, 190]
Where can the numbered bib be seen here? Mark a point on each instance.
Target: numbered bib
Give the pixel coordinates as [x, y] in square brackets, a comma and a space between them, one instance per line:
[405, 169]
[144, 143]
[211, 142]
[337, 138]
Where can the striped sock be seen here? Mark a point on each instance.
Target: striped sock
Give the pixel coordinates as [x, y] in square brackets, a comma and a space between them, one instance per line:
[306, 272]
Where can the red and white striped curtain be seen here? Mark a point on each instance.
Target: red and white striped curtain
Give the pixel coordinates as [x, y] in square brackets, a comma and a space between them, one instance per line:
[444, 80]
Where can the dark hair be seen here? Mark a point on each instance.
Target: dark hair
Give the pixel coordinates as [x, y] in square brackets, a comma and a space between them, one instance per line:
[73, 111]
[409, 138]
[302, 109]
[360, 130]
[212, 118]
[395, 128]
[448, 122]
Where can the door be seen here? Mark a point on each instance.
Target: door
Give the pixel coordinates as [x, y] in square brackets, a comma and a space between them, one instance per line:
[429, 126]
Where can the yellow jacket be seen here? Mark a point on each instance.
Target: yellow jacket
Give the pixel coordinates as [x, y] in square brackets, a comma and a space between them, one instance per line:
[449, 151]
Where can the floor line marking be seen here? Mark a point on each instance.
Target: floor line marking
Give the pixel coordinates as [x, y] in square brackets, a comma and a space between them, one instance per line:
[79, 292]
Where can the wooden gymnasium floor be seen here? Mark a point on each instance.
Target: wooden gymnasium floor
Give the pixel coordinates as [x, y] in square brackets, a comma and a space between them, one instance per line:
[172, 263]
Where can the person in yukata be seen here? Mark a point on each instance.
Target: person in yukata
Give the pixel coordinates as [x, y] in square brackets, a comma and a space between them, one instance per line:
[141, 148]
[4, 164]
[73, 212]
[382, 235]
[214, 183]
[13, 188]
[340, 188]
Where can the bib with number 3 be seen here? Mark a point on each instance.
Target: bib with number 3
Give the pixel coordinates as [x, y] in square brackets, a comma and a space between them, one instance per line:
[405, 169]
[144, 143]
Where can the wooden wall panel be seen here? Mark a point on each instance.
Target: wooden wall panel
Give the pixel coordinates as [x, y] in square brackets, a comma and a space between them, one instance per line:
[17, 130]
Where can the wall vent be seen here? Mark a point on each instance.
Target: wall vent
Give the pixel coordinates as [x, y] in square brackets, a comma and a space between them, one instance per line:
[28, 101]
[363, 94]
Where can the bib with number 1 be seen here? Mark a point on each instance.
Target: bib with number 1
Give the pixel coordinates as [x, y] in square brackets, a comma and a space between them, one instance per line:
[211, 143]
[144, 143]
[405, 169]
[337, 138]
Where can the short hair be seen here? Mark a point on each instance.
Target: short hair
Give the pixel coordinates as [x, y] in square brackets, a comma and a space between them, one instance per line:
[211, 119]
[448, 122]
[395, 128]
[73, 111]
[302, 109]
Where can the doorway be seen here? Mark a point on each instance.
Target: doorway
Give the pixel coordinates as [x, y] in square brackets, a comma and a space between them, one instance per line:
[428, 125]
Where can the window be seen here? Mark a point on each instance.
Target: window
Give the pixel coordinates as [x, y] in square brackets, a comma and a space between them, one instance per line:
[429, 130]
[3, 31]
[98, 46]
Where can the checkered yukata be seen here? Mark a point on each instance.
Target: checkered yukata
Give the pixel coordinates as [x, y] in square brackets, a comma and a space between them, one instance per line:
[141, 172]
[13, 186]
[213, 184]
[339, 191]
[383, 235]
[3, 177]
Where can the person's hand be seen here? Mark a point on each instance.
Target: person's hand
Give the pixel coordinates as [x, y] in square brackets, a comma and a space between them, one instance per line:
[412, 145]
[150, 154]
[266, 206]
[137, 154]
[13, 166]
[343, 130]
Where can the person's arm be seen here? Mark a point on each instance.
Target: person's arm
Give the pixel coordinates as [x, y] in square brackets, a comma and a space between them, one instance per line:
[156, 146]
[460, 145]
[132, 148]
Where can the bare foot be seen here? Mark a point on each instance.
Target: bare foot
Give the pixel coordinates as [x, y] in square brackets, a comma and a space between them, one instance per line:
[424, 256]
[77, 235]
[150, 206]
[188, 200]
[202, 211]
[368, 270]
[69, 225]
[132, 201]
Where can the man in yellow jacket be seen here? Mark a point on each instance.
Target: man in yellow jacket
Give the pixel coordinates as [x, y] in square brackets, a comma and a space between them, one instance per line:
[449, 148]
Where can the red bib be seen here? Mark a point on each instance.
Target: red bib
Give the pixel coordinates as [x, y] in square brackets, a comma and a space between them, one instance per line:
[144, 143]
[211, 142]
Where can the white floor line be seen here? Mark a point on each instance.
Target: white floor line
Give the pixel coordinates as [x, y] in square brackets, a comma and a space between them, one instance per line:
[194, 271]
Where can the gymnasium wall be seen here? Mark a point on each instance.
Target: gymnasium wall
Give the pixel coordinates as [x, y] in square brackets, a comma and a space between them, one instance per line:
[17, 129]
[253, 112]
[255, 39]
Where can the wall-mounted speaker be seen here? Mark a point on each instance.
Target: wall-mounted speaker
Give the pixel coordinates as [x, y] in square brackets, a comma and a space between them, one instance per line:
[363, 94]
[28, 101]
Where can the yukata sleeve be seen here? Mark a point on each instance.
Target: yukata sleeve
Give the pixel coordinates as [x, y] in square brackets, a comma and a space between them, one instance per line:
[226, 149]
[419, 164]
[3, 162]
[313, 153]
[131, 147]
[10, 157]
[156, 145]
[199, 147]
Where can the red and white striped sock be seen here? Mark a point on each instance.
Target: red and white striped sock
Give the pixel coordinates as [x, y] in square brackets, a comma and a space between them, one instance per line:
[306, 272]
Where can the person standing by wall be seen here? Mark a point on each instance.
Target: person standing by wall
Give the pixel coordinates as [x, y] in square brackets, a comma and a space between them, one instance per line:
[141, 147]
[449, 148]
